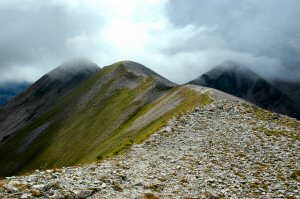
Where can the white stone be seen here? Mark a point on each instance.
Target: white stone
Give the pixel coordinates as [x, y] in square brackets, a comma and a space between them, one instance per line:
[103, 186]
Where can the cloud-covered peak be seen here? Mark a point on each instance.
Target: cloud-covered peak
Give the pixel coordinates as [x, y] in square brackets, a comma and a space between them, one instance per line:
[74, 67]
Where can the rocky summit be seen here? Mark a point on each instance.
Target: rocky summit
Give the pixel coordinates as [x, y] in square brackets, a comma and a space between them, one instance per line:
[228, 148]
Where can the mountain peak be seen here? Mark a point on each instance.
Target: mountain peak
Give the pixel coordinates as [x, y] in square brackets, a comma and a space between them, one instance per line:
[141, 70]
[109, 106]
[73, 67]
[237, 80]
[229, 65]
[234, 69]
[135, 67]
[41, 95]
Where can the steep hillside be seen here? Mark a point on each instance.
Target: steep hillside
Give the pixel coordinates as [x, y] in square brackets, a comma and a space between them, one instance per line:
[241, 82]
[224, 149]
[121, 104]
[10, 89]
[40, 96]
[290, 88]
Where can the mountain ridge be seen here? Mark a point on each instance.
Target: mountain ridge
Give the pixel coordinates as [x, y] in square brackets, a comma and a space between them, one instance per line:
[128, 132]
[222, 149]
[110, 110]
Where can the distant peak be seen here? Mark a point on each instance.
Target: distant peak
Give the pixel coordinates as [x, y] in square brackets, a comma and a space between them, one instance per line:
[136, 68]
[231, 67]
[80, 63]
[73, 67]
[141, 70]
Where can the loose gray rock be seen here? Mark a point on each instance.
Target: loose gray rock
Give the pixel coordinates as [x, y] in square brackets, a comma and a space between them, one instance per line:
[226, 149]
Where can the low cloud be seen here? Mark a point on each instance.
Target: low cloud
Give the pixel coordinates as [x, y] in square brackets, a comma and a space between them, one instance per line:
[264, 35]
[33, 36]
[178, 39]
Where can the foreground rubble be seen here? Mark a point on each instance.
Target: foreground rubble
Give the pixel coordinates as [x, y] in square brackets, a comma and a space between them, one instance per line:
[226, 149]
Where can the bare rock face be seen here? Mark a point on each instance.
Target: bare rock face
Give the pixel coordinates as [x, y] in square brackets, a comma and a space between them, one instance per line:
[40, 96]
[239, 81]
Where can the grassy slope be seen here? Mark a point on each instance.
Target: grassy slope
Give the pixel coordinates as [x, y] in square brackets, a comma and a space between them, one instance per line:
[81, 135]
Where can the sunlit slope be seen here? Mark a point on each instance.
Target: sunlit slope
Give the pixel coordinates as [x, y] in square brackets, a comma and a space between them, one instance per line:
[121, 104]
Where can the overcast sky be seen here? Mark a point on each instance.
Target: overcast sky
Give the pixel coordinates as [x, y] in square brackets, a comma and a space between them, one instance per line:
[179, 39]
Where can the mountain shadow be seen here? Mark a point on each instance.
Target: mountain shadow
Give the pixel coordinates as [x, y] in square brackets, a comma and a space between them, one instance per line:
[290, 88]
[239, 81]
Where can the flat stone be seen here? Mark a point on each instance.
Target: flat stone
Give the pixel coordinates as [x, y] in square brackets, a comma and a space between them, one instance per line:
[103, 186]
[26, 195]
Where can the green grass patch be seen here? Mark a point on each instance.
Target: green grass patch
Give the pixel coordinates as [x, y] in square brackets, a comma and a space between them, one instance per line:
[295, 174]
[274, 133]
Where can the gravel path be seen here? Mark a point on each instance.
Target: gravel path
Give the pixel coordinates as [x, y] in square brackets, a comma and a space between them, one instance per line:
[222, 150]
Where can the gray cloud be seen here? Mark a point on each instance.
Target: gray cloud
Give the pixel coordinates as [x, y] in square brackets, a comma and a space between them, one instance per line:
[33, 35]
[176, 38]
[249, 31]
